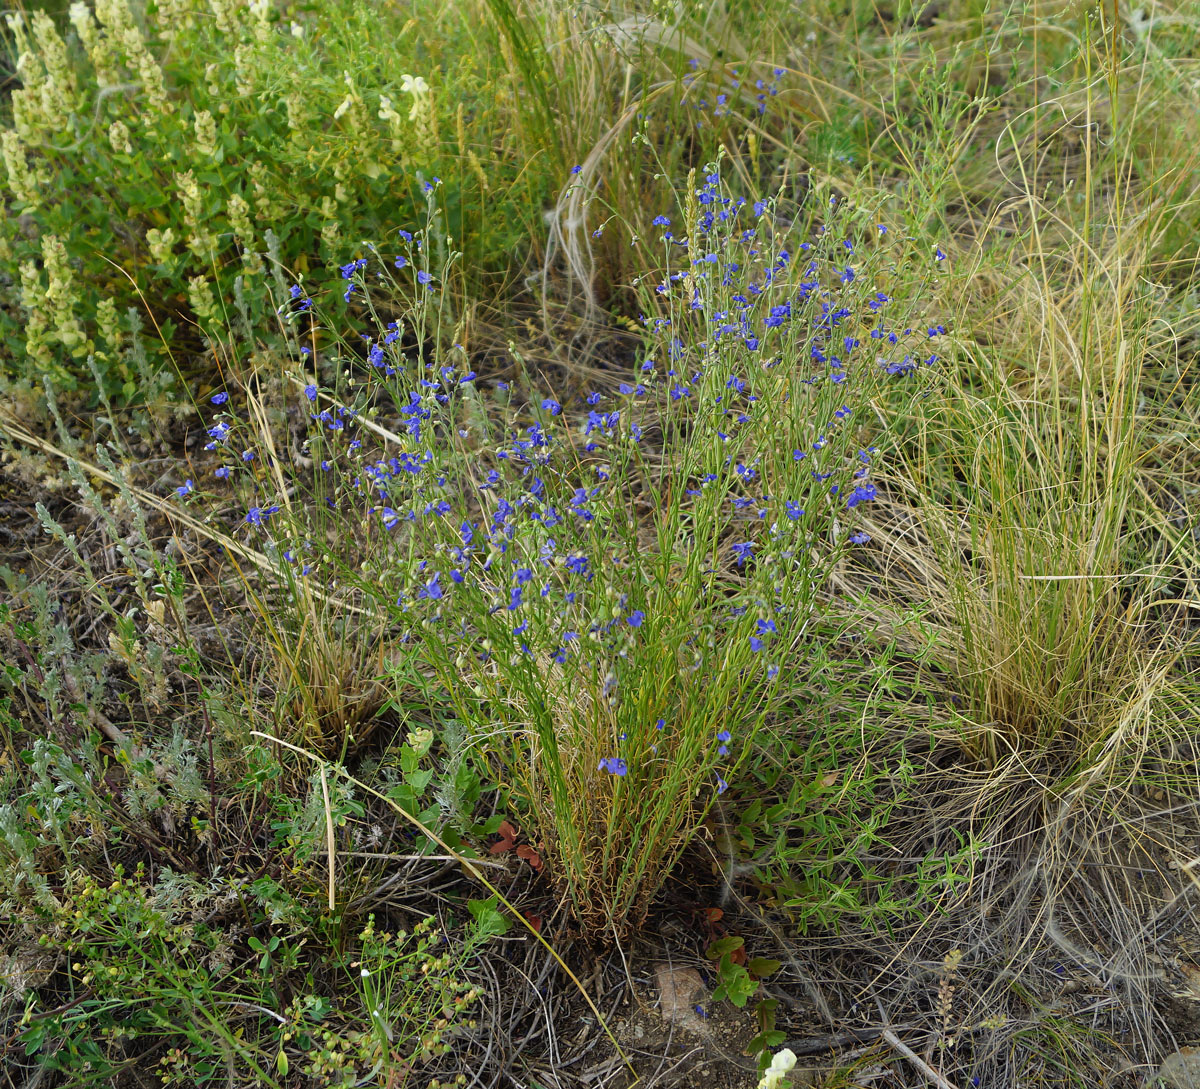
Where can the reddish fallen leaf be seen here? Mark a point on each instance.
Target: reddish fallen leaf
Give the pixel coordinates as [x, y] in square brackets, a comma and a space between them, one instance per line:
[714, 915]
[507, 840]
[530, 855]
[534, 921]
[738, 956]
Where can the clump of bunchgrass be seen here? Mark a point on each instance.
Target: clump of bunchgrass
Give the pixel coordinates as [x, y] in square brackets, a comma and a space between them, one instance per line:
[328, 660]
[612, 592]
[1055, 653]
[1031, 518]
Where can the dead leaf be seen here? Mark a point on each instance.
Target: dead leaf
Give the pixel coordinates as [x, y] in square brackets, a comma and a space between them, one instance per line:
[530, 855]
[507, 840]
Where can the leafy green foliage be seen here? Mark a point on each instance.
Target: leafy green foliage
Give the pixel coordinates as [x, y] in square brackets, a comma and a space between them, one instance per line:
[735, 982]
[230, 138]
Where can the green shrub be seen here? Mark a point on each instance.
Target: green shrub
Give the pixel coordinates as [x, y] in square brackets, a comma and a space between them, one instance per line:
[163, 159]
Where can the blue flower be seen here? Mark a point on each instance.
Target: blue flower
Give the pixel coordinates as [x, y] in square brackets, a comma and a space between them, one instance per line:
[743, 551]
[614, 765]
[552, 406]
[861, 494]
[257, 516]
[222, 473]
[794, 511]
[432, 589]
[635, 618]
[756, 644]
[296, 292]
[577, 169]
[938, 254]
[401, 262]
[722, 786]
[661, 221]
[184, 489]
[424, 277]
[310, 391]
[219, 398]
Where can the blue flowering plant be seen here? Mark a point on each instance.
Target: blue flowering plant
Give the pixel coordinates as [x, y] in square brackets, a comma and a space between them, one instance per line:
[611, 590]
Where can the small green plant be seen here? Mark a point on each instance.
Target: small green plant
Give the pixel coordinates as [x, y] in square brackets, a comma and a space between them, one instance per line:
[118, 943]
[413, 1000]
[768, 1036]
[139, 970]
[738, 978]
[387, 968]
